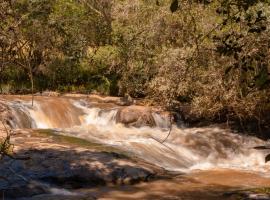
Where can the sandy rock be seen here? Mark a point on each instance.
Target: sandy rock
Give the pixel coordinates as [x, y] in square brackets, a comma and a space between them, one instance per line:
[65, 166]
[75, 95]
[120, 101]
[137, 116]
[50, 94]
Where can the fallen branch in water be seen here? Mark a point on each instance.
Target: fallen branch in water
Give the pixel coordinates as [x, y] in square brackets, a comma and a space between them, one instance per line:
[168, 135]
[170, 130]
[162, 144]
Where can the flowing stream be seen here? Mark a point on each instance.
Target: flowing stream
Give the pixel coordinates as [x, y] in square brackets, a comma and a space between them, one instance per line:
[186, 149]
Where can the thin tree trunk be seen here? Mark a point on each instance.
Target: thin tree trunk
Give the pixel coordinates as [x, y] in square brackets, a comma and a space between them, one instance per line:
[32, 88]
[1, 89]
[32, 83]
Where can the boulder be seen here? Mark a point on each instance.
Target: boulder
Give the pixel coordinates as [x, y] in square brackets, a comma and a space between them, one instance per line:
[136, 116]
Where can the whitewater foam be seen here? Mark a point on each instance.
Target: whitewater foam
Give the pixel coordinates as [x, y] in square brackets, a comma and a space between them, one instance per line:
[185, 150]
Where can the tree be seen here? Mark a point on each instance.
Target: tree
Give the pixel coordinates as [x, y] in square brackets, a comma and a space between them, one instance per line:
[38, 34]
[27, 37]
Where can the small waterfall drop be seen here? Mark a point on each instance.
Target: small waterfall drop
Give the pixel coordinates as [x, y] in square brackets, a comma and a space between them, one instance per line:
[186, 149]
[161, 121]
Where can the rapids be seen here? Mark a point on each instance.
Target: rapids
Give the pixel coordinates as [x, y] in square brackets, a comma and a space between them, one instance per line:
[187, 149]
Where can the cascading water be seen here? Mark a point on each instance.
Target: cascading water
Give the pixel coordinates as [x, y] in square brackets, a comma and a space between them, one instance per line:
[186, 149]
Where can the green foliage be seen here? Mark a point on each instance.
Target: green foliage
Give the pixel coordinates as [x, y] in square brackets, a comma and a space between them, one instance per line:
[48, 41]
[212, 55]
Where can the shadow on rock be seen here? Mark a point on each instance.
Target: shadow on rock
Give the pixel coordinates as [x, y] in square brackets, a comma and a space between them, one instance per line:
[69, 169]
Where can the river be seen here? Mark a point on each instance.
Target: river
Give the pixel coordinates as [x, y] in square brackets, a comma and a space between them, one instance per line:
[208, 155]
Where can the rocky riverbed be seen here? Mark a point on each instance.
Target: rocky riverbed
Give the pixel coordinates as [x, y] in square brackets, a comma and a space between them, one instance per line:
[99, 148]
[64, 162]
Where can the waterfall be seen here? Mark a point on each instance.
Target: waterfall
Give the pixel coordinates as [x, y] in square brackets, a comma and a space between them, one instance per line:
[186, 149]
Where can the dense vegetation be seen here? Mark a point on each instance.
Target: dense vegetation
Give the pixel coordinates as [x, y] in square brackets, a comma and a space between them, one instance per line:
[212, 55]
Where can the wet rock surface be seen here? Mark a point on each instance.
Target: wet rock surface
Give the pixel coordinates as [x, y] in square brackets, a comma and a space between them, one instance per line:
[248, 195]
[49, 94]
[136, 116]
[5, 114]
[64, 165]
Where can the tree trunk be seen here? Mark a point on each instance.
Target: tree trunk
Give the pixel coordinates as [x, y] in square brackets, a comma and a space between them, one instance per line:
[1, 77]
[32, 84]
[32, 89]
[1, 89]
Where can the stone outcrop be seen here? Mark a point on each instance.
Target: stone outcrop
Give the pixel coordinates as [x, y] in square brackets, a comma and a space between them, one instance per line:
[136, 116]
[120, 101]
[50, 94]
[65, 165]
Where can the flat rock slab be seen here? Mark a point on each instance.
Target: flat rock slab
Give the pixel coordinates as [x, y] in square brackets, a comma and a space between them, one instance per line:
[65, 164]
